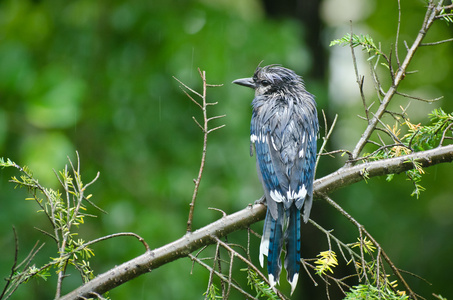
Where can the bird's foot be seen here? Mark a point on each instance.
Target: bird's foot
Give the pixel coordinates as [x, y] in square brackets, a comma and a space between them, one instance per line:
[261, 200]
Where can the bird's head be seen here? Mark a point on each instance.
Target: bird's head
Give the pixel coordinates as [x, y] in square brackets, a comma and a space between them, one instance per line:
[272, 79]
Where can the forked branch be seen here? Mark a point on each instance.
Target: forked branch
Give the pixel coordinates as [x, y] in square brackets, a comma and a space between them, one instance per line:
[204, 126]
[432, 13]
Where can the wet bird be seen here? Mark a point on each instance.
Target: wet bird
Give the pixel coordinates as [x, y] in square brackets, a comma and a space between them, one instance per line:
[283, 131]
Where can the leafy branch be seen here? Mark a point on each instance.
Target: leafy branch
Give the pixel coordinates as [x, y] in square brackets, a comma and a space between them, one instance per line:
[397, 74]
[64, 211]
[418, 138]
[354, 40]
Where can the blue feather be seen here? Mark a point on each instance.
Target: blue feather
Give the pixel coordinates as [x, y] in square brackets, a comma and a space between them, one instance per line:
[274, 263]
[292, 244]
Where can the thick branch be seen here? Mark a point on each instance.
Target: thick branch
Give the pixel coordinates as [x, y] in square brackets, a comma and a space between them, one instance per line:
[244, 218]
[349, 175]
[180, 248]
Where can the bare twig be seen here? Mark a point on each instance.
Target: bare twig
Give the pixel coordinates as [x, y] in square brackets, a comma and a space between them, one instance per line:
[205, 129]
[398, 34]
[444, 134]
[342, 151]
[13, 267]
[437, 43]
[419, 98]
[23, 276]
[359, 78]
[377, 84]
[249, 264]
[211, 273]
[221, 276]
[326, 137]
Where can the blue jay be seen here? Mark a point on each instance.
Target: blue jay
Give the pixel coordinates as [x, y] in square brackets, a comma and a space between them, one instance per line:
[283, 130]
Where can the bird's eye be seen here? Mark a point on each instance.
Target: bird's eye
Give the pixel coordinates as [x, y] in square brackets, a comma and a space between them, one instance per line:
[265, 82]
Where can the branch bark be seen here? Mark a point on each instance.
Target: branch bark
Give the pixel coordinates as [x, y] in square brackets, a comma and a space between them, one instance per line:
[190, 242]
[182, 247]
[349, 175]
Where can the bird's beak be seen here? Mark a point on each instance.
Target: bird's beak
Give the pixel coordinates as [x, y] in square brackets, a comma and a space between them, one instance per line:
[248, 82]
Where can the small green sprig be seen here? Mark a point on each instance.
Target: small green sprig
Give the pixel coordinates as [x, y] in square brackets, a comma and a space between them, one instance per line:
[364, 41]
[446, 16]
[212, 293]
[65, 210]
[417, 138]
[427, 137]
[371, 292]
[261, 287]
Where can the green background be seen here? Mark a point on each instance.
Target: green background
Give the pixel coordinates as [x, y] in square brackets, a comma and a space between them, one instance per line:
[96, 77]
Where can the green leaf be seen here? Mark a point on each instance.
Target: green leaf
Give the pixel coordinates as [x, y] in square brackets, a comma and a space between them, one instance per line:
[365, 41]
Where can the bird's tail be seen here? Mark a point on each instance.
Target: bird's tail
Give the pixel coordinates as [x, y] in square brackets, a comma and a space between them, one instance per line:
[271, 245]
[292, 240]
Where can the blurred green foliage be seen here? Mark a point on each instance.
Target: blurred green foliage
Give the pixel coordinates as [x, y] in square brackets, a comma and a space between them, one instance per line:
[96, 76]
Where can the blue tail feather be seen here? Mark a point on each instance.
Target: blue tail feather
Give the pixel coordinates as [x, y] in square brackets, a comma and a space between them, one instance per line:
[264, 246]
[274, 264]
[292, 241]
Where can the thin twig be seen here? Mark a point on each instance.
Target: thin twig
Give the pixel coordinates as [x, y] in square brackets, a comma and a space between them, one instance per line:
[376, 244]
[325, 138]
[359, 79]
[337, 281]
[23, 276]
[248, 262]
[230, 275]
[342, 151]
[71, 215]
[419, 98]
[221, 276]
[211, 273]
[13, 267]
[193, 91]
[205, 129]
[437, 43]
[398, 34]
[444, 134]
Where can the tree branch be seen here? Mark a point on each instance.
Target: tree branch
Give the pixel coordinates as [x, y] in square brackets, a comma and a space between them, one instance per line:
[349, 175]
[182, 247]
[430, 17]
[190, 242]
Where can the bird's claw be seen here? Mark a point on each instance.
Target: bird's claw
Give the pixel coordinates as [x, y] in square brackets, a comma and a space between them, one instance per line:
[261, 200]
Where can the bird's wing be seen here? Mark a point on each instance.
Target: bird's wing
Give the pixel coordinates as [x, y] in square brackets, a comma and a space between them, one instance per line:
[286, 151]
[302, 173]
[272, 239]
[290, 142]
[267, 169]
